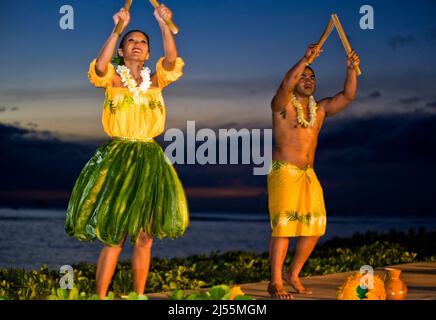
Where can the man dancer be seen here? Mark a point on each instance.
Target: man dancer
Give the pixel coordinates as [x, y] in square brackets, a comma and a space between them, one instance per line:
[295, 196]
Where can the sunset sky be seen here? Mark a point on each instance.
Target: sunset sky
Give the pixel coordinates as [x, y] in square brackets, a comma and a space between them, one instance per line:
[236, 53]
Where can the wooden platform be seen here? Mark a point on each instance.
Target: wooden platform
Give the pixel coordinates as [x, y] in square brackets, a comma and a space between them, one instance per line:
[419, 277]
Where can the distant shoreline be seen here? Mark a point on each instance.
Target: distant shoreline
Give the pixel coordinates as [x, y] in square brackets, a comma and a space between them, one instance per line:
[33, 237]
[248, 210]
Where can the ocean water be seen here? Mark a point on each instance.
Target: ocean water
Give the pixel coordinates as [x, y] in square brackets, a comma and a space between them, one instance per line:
[31, 238]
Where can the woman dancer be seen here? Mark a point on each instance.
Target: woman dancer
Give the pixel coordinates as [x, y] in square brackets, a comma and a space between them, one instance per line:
[129, 187]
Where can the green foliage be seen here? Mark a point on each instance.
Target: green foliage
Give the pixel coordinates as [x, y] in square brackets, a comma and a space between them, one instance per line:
[72, 294]
[196, 272]
[221, 292]
[118, 60]
[135, 296]
[301, 217]
[377, 254]
[18, 284]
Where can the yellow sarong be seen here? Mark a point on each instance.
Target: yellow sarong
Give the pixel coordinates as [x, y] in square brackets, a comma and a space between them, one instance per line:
[295, 201]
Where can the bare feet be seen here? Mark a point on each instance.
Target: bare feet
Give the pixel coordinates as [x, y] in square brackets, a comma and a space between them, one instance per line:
[295, 283]
[278, 292]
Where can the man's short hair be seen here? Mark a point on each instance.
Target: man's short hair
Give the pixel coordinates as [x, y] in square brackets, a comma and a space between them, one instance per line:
[310, 68]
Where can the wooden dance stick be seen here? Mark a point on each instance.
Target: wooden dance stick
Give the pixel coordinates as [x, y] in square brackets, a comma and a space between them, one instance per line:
[323, 39]
[118, 28]
[344, 40]
[169, 22]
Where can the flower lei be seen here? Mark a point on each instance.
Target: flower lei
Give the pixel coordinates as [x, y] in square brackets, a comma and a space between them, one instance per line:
[130, 83]
[299, 108]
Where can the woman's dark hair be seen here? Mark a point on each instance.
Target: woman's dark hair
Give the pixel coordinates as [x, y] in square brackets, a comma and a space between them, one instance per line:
[119, 60]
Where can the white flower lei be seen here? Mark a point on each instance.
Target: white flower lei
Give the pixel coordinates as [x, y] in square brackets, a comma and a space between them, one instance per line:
[312, 111]
[130, 83]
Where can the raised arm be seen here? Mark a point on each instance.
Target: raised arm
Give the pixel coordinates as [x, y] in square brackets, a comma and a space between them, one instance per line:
[170, 49]
[283, 94]
[341, 100]
[107, 52]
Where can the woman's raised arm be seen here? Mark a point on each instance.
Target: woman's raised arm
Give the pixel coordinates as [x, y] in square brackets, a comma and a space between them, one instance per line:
[107, 52]
[170, 49]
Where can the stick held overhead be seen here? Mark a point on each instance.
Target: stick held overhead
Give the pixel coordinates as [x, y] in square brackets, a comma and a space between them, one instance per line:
[328, 30]
[174, 29]
[119, 26]
[344, 39]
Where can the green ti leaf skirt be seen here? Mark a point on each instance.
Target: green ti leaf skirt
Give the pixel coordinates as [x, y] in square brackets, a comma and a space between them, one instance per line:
[127, 186]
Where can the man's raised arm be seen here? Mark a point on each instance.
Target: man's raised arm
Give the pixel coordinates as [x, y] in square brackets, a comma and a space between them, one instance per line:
[283, 94]
[341, 100]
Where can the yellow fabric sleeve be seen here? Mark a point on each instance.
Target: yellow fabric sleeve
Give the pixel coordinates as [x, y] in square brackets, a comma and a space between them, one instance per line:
[101, 82]
[165, 77]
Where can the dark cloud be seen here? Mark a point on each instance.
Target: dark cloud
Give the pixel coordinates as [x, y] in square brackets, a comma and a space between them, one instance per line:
[32, 125]
[410, 100]
[387, 139]
[375, 94]
[428, 38]
[382, 165]
[431, 104]
[38, 160]
[370, 96]
[5, 108]
[401, 41]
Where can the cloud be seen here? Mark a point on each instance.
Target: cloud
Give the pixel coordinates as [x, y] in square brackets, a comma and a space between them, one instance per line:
[401, 41]
[38, 160]
[6, 108]
[428, 38]
[32, 125]
[373, 95]
[397, 41]
[382, 165]
[389, 139]
[431, 104]
[410, 100]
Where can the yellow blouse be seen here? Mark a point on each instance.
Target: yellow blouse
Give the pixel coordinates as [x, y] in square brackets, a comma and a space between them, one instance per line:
[122, 117]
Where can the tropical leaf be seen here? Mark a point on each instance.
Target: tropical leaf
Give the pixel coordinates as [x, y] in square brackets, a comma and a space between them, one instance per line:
[291, 215]
[218, 292]
[73, 294]
[132, 296]
[177, 295]
[244, 297]
[275, 219]
[277, 164]
[295, 216]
